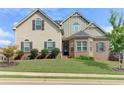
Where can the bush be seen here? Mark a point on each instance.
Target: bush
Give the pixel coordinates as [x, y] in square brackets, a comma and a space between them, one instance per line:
[44, 52]
[34, 53]
[85, 57]
[19, 54]
[113, 57]
[55, 52]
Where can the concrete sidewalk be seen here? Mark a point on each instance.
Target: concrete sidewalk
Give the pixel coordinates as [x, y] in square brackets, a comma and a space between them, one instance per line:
[59, 81]
[60, 74]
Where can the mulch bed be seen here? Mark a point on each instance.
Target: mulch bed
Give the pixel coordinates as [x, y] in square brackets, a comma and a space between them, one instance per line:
[118, 69]
[6, 64]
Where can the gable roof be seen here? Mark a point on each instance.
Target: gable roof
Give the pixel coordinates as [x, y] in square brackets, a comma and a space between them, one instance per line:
[33, 12]
[73, 13]
[58, 21]
[88, 21]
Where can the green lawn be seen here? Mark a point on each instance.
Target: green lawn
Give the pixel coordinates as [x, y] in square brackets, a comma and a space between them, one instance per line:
[65, 66]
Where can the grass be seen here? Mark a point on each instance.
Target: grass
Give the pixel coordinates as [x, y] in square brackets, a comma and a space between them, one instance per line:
[59, 77]
[64, 66]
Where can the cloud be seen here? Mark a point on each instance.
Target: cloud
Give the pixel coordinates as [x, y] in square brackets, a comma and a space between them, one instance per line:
[5, 34]
[108, 29]
[5, 42]
[15, 23]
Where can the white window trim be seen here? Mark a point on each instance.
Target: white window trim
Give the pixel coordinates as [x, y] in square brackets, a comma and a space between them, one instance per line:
[35, 22]
[73, 28]
[49, 42]
[27, 46]
[81, 45]
[99, 48]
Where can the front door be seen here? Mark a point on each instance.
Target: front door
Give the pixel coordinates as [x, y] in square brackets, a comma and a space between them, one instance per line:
[65, 45]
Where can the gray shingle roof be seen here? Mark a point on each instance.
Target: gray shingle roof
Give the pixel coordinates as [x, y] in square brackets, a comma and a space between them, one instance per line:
[58, 21]
[81, 33]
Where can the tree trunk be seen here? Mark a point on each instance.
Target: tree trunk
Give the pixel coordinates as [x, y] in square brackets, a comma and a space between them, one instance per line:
[7, 60]
[120, 61]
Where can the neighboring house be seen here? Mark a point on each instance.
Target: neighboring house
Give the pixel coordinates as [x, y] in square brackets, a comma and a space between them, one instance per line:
[2, 57]
[74, 36]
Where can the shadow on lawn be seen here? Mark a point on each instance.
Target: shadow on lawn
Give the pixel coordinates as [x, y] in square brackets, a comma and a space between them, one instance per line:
[97, 64]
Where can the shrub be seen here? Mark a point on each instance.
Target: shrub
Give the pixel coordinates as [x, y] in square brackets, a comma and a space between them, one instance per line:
[85, 57]
[19, 54]
[44, 52]
[113, 57]
[34, 53]
[55, 52]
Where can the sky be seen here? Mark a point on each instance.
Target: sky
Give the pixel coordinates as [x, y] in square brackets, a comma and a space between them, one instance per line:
[11, 16]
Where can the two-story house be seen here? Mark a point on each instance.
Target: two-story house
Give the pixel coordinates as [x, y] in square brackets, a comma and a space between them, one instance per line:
[74, 36]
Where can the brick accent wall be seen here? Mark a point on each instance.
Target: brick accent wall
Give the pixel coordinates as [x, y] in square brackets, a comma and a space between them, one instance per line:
[97, 55]
[101, 55]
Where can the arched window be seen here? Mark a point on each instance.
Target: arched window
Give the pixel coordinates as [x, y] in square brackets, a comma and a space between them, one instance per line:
[27, 46]
[50, 44]
[38, 24]
[76, 27]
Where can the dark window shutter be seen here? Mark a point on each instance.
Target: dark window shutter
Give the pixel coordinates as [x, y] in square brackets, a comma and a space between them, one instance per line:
[42, 24]
[33, 24]
[45, 44]
[31, 44]
[22, 46]
[54, 45]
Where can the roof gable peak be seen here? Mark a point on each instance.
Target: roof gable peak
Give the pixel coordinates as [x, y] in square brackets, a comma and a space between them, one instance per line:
[33, 12]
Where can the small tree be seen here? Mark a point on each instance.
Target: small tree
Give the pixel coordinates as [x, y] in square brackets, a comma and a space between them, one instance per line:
[9, 52]
[19, 54]
[116, 36]
[34, 53]
[55, 52]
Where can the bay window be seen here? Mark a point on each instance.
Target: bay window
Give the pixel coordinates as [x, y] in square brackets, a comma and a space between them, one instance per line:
[81, 46]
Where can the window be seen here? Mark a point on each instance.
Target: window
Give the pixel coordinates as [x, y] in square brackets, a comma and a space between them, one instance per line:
[50, 44]
[81, 45]
[27, 46]
[76, 27]
[38, 24]
[78, 46]
[84, 45]
[100, 47]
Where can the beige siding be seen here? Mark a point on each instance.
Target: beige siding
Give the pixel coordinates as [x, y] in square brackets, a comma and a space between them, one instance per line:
[24, 31]
[94, 32]
[67, 25]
